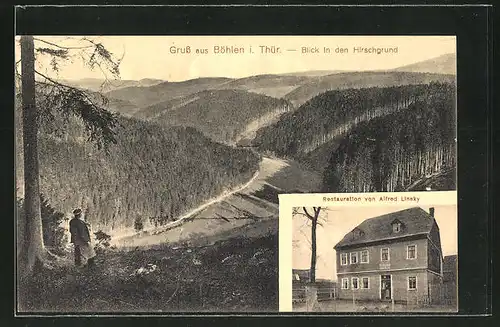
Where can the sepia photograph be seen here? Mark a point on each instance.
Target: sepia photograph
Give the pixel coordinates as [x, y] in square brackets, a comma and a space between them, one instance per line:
[148, 168]
[367, 258]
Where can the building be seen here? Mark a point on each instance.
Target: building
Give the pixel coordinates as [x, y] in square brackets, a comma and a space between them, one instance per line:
[450, 269]
[396, 256]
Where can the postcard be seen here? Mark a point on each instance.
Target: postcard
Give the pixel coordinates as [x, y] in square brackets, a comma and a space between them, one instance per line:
[148, 170]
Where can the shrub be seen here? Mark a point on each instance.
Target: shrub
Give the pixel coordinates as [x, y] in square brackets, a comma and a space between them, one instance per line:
[138, 224]
[54, 235]
[103, 241]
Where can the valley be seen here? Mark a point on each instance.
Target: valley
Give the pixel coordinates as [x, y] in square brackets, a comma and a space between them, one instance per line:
[297, 134]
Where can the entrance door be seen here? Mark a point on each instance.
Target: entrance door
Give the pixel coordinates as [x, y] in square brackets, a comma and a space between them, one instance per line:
[385, 287]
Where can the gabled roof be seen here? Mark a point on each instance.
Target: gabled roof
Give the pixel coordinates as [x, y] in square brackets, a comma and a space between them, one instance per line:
[415, 221]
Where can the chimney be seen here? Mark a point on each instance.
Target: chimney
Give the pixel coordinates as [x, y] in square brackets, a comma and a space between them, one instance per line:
[431, 212]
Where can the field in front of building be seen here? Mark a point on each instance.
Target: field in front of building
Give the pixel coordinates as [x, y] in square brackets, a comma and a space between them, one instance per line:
[369, 307]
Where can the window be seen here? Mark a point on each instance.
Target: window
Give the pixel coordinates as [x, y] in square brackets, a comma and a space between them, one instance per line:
[396, 227]
[354, 257]
[411, 252]
[412, 283]
[364, 256]
[365, 282]
[343, 259]
[384, 254]
[345, 283]
[357, 233]
[355, 283]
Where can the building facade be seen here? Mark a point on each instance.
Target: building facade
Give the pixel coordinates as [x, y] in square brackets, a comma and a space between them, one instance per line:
[396, 256]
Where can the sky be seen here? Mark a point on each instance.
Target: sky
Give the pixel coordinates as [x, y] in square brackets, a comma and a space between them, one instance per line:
[341, 220]
[152, 57]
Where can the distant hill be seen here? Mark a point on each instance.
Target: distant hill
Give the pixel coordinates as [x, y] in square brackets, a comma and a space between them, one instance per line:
[445, 64]
[122, 107]
[271, 85]
[222, 115]
[101, 85]
[143, 96]
[359, 80]
[315, 73]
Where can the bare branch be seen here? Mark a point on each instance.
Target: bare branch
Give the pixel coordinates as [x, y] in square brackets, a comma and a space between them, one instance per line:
[299, 214]
[306, 237]
[99, 122]
[65, 86]
[308, 214]
[63, 47]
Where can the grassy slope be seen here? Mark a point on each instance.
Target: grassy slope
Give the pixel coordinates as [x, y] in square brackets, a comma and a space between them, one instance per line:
[242, 276]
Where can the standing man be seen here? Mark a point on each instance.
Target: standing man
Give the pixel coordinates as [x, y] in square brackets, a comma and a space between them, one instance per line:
[80, 237]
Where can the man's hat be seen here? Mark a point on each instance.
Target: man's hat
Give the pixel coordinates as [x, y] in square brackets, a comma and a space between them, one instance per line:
[76, 212]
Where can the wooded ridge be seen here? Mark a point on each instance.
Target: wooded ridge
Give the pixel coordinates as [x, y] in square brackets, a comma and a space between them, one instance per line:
[151, 171]
[390, 153]
[222, 115]
[407, 130]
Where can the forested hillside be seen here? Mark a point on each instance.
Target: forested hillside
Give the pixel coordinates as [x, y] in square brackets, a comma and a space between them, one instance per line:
[222, 115]
[157, 109]
[361, 80]
[397, 151]
[377, 138]
[151, 171]
[122, 107]
[334, 113]
[146, 96]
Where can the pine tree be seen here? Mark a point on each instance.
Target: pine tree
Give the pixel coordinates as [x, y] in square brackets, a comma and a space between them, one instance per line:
[54, 96]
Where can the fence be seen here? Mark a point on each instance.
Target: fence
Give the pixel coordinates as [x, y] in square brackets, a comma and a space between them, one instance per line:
[324, 291]
[438, 297]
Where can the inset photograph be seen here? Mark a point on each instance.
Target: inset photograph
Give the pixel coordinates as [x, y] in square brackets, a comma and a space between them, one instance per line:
[374, 259]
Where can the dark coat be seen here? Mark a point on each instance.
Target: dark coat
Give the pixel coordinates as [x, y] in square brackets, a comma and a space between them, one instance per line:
[79, 231]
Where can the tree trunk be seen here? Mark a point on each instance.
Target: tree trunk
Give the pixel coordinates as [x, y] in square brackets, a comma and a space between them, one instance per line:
[33, 247]
[313, 249]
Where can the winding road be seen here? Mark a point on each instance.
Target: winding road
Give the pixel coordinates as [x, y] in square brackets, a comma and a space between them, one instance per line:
[227, 214]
